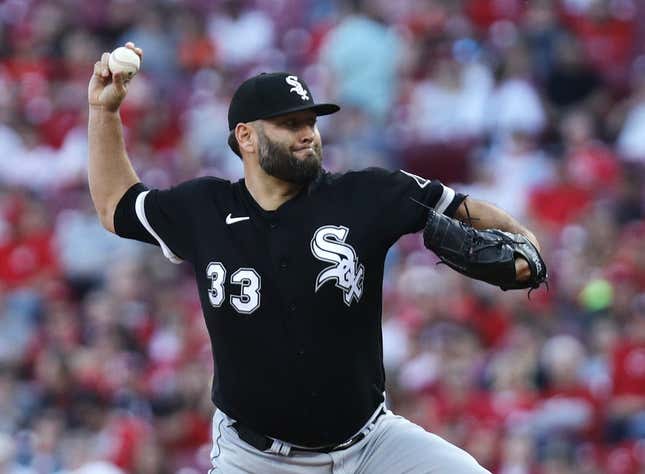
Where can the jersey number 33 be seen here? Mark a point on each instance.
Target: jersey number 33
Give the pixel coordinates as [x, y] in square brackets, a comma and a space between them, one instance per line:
[247, 301]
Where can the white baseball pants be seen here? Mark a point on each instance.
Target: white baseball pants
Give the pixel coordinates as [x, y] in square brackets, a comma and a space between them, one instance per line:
[393, 445]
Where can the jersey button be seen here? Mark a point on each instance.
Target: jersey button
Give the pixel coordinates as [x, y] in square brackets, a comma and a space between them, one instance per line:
[301, 352]
[283, 263]
[292, 307]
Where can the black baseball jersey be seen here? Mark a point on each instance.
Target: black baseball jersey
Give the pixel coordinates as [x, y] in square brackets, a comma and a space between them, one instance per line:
[291, 297]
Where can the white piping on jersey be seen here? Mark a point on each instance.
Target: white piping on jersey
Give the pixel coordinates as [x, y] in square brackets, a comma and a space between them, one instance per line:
[141, 214]
[444, 201]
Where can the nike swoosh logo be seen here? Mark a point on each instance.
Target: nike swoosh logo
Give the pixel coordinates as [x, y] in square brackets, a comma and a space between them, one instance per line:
[232, 220]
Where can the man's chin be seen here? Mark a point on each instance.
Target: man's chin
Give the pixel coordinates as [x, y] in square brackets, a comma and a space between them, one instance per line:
[298, 167]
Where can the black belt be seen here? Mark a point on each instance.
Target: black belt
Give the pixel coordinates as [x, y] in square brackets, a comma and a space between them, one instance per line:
[263, 443]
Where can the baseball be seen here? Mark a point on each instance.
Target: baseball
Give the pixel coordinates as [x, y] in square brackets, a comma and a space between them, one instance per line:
[124, 60]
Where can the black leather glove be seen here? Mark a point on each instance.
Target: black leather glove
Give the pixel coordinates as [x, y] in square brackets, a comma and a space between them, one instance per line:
[487, 255]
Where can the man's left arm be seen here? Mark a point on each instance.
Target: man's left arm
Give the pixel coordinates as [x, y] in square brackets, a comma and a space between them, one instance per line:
[483, 215]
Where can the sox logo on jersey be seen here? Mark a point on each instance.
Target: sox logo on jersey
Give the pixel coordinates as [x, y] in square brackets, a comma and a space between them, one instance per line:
[328, 244]
[297, 87]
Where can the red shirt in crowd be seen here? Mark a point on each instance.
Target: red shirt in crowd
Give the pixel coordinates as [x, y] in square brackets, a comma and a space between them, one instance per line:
[556, 205]
[23, 260]
[607, 43]
[483, 13]
[629, 369]
[593, 166]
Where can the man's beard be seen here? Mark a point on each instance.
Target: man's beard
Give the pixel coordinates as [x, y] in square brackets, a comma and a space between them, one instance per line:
[278, 161]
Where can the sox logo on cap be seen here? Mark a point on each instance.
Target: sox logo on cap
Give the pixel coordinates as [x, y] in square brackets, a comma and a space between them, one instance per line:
[297, 87]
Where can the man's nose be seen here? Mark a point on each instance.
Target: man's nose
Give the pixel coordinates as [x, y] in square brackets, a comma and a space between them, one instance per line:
[307, 134]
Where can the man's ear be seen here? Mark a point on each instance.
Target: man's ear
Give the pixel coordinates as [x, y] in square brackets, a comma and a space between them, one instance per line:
[246, 137]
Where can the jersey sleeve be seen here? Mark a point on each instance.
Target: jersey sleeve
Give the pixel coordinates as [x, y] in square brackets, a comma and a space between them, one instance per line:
[406, 197]
[159, 217]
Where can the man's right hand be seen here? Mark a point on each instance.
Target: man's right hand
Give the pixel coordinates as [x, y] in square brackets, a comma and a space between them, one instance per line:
[105, 90]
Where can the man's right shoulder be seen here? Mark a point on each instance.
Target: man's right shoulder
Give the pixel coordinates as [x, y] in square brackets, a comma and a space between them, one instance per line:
[206, 181]
[204, 184]
[197, 191]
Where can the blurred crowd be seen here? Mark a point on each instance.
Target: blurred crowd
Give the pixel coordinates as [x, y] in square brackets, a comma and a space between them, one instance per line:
[537, 106]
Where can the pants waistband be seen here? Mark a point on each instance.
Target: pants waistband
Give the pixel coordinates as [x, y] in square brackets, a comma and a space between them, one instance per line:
[266, 443]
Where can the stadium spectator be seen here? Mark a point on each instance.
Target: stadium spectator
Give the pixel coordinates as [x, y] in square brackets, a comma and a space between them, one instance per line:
[538, 105]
